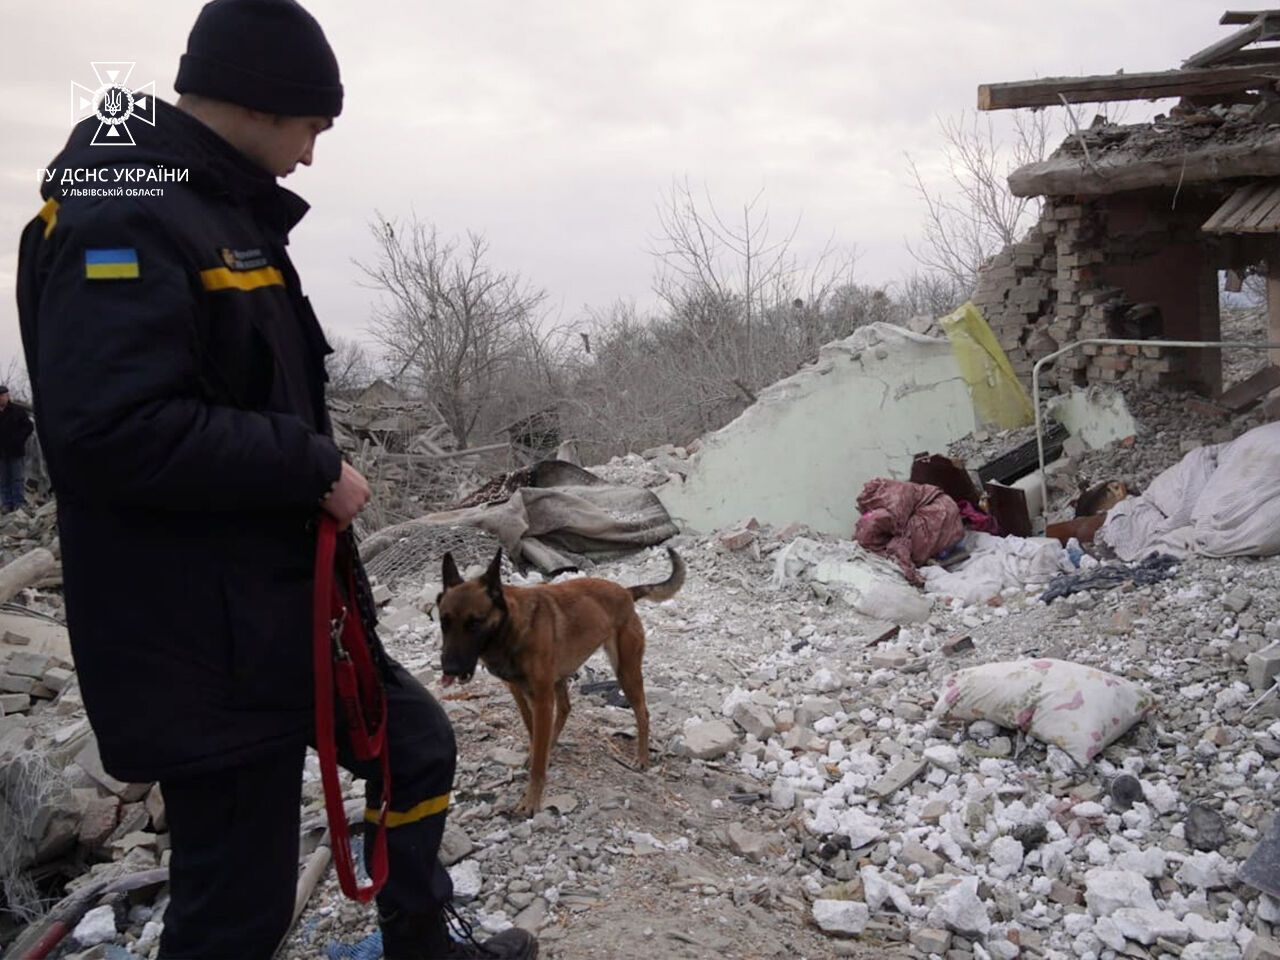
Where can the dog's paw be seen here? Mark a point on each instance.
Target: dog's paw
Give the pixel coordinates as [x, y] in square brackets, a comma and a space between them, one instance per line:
[525, 808]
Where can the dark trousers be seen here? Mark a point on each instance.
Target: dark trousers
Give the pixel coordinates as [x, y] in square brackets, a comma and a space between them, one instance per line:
[234, 834]
[12, 494]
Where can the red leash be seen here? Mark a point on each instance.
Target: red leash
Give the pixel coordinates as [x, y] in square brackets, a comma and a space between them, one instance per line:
[345, 672]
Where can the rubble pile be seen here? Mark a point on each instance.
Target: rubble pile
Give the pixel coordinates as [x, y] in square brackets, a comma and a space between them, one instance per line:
[403, 448]
[803, 787]
[805, 799]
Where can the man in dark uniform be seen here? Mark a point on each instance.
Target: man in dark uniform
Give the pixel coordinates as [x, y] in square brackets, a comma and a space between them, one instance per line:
[178, 378]
[15, 428]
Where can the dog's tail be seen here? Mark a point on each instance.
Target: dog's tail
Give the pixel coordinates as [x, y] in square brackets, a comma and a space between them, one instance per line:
[667, 588]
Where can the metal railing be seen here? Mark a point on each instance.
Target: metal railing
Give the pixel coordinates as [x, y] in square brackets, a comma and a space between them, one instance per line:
[1180, 344]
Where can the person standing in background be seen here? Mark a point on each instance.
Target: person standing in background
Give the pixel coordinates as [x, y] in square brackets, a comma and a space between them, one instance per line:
[15, 428]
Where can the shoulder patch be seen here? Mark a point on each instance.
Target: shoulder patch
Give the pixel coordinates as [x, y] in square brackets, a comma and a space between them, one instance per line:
[111, 263]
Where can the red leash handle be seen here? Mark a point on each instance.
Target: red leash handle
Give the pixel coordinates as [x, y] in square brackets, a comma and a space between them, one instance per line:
[345, 673]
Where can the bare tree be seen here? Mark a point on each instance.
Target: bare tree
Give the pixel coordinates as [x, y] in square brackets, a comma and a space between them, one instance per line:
[722, 281]
[974, 215]
[449, 321]
[15, 378]
[928, 294]
[349, 366]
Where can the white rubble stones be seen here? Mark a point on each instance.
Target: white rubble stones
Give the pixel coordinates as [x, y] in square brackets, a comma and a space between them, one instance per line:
[876, 890]
[845, 917]
[1211, 951]
[961, 910]
[96, 926]
[1148, 926]
[1106, 891]
[945, 756]
[1205, 871]
[709, 739]
[860, 827]
[1006, 857]
[466, 880]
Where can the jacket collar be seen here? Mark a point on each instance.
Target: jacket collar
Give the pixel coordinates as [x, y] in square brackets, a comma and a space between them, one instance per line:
[219, 168]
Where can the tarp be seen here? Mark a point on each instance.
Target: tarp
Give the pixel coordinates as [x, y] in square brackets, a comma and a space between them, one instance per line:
[999, 399]
[1218, 501]
[565, 517]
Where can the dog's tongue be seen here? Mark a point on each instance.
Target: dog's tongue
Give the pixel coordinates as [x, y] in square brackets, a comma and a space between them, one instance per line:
[447, 680]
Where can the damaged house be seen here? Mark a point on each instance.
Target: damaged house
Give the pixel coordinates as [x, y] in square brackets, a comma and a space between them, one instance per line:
[1139, 219]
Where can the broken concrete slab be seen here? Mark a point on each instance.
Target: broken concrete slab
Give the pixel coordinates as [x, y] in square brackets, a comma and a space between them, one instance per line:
[1096, 416]
[794, 456]
[901, 774]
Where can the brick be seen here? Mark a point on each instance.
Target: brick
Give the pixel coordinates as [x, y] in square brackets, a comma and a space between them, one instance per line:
[98, 821]
[14, 703]
[24, 664]
[11, 684]
[1263, 666]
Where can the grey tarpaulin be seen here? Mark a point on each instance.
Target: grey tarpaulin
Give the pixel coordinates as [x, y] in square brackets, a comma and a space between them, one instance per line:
[565, 517]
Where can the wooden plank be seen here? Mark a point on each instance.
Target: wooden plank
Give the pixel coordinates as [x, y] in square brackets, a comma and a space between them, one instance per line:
[1241, 38]
[1259, 199]
[1237, 18]
[1256, 57]
[1226, 213]
[1249, 393]
[1263, 219]
[1123, 86]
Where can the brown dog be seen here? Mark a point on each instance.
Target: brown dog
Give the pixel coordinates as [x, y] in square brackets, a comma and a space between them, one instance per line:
[534, 638]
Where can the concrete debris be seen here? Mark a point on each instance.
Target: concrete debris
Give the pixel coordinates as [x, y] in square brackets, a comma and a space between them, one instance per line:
[96, 926]
[709, 740]
[844, 917]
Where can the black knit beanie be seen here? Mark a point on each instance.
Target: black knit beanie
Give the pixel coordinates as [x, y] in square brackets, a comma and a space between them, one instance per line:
[268, 55]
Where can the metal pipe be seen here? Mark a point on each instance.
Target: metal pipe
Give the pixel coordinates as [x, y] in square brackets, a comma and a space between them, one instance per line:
[1035, 380]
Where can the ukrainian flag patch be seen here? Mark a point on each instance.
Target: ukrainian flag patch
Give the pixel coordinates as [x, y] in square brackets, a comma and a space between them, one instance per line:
[114, 263]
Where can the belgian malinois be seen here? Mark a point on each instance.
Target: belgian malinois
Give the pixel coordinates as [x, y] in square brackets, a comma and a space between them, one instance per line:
[534, 638]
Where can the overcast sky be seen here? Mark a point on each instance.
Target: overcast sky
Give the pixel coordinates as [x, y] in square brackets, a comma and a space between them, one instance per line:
[555, 127]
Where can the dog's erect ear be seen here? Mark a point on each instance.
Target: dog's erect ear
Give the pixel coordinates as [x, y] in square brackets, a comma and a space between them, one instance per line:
[451, 576]
[493, 576]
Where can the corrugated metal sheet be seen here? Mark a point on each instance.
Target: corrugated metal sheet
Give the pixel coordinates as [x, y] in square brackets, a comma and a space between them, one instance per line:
[1251, 209]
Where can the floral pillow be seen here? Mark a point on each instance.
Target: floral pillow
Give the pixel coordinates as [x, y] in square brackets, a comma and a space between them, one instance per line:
[1075, 707]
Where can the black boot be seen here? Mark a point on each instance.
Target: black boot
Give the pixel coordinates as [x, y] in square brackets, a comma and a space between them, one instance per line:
[425, 936]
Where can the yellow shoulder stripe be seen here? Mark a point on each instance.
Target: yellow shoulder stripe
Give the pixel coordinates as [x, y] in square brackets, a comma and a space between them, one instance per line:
[49, 214]
[427, 808]
[220, 278]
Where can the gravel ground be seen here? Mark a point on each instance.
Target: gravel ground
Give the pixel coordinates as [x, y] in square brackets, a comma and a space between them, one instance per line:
[764, 828]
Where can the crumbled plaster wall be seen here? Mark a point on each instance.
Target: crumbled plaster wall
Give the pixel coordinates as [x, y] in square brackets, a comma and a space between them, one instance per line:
[804, 450]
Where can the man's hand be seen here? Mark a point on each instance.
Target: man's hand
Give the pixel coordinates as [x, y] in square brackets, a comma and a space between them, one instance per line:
[347, 498]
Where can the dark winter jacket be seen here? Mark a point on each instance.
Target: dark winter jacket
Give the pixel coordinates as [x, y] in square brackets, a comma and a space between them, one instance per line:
[15, 427]
[178, 380]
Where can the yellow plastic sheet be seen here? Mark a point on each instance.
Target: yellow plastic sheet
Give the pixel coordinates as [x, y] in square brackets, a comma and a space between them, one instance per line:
[999, 399]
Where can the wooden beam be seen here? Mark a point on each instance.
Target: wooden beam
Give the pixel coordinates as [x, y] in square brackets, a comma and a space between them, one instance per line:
[1238, 18]
[1256, 57]
[1241, 38]
[1122, 86]
[1118, 171]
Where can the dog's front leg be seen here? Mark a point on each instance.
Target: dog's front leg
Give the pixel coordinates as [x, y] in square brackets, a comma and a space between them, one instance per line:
[543, 697]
